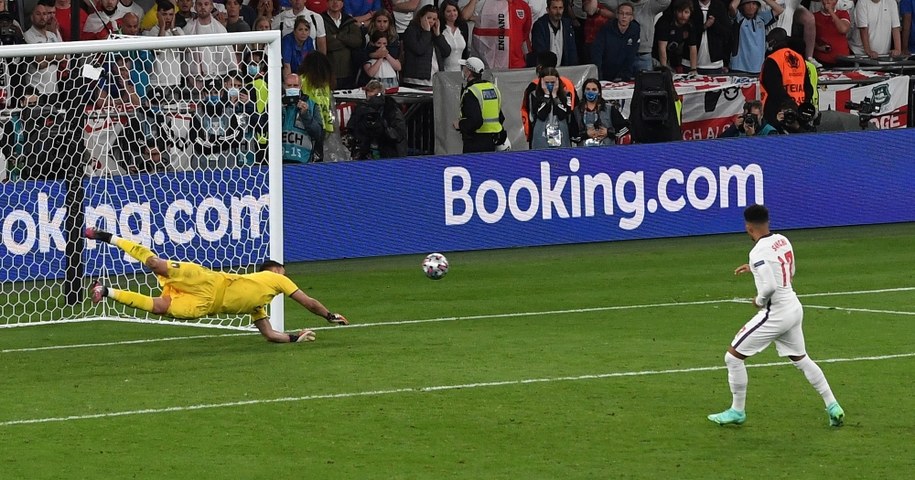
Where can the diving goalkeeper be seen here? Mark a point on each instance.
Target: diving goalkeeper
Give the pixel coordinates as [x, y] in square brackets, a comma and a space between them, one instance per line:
[190, 291]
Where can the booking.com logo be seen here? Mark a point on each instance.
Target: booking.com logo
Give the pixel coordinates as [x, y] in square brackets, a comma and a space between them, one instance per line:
[40, 228]
[574, 196]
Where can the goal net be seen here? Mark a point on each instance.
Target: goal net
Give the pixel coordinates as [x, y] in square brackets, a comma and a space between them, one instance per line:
[172, 142]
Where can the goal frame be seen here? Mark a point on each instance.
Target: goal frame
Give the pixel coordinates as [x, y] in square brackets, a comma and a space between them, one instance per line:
[272, 51]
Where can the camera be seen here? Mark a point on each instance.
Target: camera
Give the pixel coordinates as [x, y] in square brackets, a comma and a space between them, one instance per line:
[751, 120]
[865, 107]
[291, 100]
[789, 115]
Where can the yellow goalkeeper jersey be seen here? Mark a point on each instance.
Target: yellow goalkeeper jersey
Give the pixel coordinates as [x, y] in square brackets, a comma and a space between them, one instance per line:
[250, 293]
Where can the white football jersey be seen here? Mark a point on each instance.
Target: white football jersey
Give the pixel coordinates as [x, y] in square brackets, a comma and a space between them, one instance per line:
[772, 264]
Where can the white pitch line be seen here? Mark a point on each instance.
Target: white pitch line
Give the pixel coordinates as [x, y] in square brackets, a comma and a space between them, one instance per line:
[864, 310]
[453, 319]
[438, 388]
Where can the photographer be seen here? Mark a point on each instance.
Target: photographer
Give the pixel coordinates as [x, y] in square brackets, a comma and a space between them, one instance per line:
[784, 78]
[795, 119]
[303, 127]
[378, 125]
[750, 124]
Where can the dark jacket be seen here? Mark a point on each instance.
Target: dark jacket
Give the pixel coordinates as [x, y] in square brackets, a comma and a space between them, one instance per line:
[542, 33]
[615, 52]
[379, 127]
[342, 41]
[719, 34]
[418, 47]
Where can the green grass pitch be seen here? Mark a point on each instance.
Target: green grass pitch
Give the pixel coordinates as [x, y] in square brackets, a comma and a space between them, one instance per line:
[595, 361]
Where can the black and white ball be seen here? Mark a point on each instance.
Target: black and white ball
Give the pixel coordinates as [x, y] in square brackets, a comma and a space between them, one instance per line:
[435, 266]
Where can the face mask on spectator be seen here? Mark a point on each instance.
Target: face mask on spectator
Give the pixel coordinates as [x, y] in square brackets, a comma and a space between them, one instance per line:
[253, 70]
[292, 92]
[233, 92]
[549, 87]
[591, 96]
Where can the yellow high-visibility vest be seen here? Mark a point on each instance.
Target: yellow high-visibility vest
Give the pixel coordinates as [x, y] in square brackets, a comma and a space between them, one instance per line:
[490, 106]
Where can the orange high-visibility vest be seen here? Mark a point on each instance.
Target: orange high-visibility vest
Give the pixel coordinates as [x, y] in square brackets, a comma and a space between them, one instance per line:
[794, 72]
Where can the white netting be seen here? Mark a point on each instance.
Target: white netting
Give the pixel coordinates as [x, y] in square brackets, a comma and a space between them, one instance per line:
[165, 145]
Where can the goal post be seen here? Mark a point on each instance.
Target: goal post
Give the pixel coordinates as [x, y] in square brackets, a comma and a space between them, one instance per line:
[173, 142]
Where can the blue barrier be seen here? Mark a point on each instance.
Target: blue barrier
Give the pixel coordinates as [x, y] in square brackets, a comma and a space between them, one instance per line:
[469, 202]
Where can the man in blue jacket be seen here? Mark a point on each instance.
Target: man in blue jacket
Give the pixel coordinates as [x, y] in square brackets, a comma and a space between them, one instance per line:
[553, 32]
[616, 48]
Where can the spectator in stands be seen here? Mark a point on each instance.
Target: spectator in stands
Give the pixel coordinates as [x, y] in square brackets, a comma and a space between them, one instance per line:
[185, 12]
[783, 77]
[317, 78]
[553, 32]
[799, 23]
[456, 33]
[223, 120]
[551, 112]
[832, 27]
[596, 121]
[749, 48]
[344, 37]
[262, 24]
[302, 126]
[234, 20]
[378, 126]
[481, 111]
[383, 21]
[676, 40]
[645, 12]
[362, 10]
[598, 14]
[501, 32]
[404, 11]
[130, 6]
[63, 11]
[544, 60]
[166, 74]
[264, 9]
[712, 23]
[906, 8]
[296, 45]
[140, 62]
[285, 22]
[615, 50]
[103, 20]
[878, 29]
[425, 49]
[208, 62]
[43, 70]
[384, 69]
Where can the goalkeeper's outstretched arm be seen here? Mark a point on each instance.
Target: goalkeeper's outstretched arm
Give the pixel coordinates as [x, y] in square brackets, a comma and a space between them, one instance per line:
[318, 309]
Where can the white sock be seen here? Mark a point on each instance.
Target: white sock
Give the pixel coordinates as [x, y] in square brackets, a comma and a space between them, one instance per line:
[737, 379]
[816, 378]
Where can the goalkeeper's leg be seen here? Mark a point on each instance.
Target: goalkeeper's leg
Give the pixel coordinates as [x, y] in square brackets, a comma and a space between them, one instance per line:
[134, 249]
[157, 305]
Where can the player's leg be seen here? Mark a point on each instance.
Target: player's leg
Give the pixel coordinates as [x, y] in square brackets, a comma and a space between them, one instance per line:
[135, 250]
[157, 305]
[792, 345]
[753, 338]
[263, 326]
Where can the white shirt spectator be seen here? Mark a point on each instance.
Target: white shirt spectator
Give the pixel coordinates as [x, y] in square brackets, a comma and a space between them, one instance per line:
[208, 62]
[134, 8]
[97, 21]
[44, 80]
[285, 22]
[880, 18]
[457, 42]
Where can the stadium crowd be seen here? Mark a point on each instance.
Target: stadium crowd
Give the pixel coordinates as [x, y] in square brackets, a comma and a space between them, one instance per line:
[331, 45]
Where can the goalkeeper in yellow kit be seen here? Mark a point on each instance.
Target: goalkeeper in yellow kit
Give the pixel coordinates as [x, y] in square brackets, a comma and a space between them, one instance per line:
[191, 291]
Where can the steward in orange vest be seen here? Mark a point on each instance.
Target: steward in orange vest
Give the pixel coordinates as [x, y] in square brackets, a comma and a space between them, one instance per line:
[783, 76]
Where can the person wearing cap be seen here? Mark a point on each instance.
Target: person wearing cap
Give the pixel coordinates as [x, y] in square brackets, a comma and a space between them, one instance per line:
[481, 110]
[783, 77]
[749, 48]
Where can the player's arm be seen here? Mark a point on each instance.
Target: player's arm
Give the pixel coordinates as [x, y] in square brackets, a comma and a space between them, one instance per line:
[765, 282]
[317, 308]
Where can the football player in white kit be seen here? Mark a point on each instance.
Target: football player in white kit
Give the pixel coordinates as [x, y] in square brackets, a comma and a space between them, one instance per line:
[778, 320]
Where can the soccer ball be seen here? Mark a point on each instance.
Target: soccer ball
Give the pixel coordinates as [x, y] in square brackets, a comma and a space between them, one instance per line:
[435, 266]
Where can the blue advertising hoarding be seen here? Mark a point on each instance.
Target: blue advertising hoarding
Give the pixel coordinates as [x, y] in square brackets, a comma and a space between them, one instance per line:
[469, 202]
